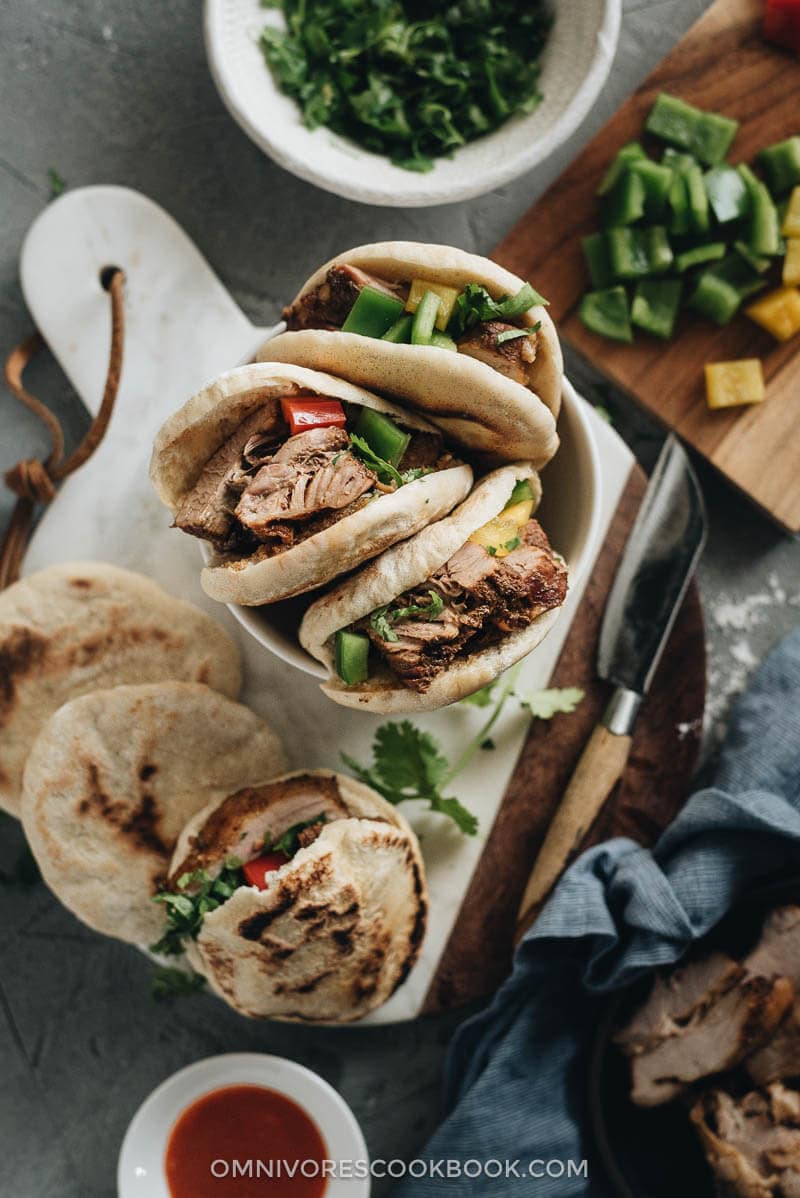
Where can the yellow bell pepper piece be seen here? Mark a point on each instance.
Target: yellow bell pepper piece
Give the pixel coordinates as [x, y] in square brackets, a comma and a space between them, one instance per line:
[778, 312]
[729, 384]
[791, 263]
[791, 221]
[448, 296]
[501, 533]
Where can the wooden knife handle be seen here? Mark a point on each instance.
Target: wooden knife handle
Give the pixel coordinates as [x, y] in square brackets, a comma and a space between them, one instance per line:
[599, 768]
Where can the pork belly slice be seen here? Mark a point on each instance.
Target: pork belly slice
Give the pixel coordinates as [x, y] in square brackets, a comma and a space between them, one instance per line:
[513, 358]
[717, 1036]
[752, 1144]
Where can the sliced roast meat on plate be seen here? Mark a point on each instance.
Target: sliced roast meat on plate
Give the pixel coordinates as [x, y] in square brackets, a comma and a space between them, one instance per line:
[716, 1037]
[778, 948]
[780, 1056]
[752, 1143]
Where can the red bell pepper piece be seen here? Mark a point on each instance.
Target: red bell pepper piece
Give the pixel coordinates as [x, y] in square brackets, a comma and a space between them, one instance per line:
[306, 412]
[256, 871]
[782, 23]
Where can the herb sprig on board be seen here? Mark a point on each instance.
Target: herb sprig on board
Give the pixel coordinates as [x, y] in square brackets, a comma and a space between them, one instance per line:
[408, 763]
[408, 80]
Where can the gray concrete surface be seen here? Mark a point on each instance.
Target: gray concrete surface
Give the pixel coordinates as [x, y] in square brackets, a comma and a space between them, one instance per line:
[108, 91]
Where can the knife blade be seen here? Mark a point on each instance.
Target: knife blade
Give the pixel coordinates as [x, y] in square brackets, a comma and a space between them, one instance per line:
[657, 564]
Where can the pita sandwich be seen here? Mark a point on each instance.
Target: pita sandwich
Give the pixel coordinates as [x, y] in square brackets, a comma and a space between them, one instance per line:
[322, 897]
[112, 780]
[76, 627]
[295, 477]
[445, 613]
[489, 373]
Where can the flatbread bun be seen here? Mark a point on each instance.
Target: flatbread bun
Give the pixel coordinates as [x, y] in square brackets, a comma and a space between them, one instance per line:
[339, 926]
[406, 566]
[193, 434]
[474, 404]
[113, 778]
[76, 627]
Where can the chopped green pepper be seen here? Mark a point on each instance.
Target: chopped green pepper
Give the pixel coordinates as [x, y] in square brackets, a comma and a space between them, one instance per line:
[678, 204]
[522, 490]
[425, 318]
[351, 654]
[400, 332]
[655, 306]
[373, 313]
[764, 235]
[382, 435]
[698, 199]
[598, 260]
[657, 180]
[635, 253]
[629, 153]
[781, 164]
[727, 193]
[707, 135]
[757, 262]
[625, 203]
[722, 287]
[699, 254]
[606, 312]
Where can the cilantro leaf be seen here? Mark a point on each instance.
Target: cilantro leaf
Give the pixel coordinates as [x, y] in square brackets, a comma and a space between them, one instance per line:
[475, 305]
[544, 704]
[455, 809]
[185, 911]
[515, 334]
[289, 843]
[172, 983]
[384, 618]
[481, 698]
[386, 472]
[57, 184]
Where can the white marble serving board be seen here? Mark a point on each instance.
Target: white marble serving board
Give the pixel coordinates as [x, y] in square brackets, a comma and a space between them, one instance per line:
[182, 329]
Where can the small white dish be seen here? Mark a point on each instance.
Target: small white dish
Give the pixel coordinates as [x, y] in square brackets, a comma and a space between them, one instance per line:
[569, 513]
[140, 1173]
[575, 65]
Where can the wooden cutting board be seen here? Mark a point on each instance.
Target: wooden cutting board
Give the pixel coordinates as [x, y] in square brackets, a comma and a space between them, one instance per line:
[721, 64]
[651, 792]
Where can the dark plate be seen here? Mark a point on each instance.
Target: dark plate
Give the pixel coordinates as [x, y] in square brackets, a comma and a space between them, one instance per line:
[655, 1153]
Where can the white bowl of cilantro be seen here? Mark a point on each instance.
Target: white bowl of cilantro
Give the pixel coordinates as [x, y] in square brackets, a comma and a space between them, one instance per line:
[407, 104]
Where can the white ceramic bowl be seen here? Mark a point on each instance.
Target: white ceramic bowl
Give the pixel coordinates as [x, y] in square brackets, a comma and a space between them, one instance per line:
[569, 513]
[140, 1173]
[575, 65]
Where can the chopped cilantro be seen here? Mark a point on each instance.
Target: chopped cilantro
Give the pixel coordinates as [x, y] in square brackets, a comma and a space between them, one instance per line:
[289, 843]
[57, 184]
[384, 618]
[475, 305]
[185, 912]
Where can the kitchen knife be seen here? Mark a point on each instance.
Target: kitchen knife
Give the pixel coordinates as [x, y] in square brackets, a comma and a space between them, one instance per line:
[651, 580]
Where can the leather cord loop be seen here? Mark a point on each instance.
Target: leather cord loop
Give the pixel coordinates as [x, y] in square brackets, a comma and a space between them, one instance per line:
[34, 481]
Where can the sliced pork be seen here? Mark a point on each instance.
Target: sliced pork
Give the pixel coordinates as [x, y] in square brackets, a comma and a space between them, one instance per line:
[328, 305]
[513, 357]
[780, 1056]
[753, 1143]
[483, 598]
[778, 949]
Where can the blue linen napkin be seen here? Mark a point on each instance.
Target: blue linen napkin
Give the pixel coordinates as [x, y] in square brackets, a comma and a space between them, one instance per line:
[516, 1073]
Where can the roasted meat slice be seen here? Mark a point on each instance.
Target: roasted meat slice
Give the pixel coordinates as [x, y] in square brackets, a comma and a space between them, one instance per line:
[676, 997]
[514, 358]
[753, 1143]
[484, 597]
[717, 1037]
[780, 1056]
[778, 948]
[207, 510]
[312, 472]
[328, 305]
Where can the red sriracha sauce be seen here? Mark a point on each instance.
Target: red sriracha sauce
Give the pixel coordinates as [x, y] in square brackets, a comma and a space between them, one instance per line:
[266, 1134]
[307, 412]
[256, 871]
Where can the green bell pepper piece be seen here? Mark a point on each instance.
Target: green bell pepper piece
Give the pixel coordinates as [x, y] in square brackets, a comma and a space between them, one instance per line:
[754, 261]
[635, 253]
[400, 332]
[425, 318]
[781, 164]
[351, 656]
[712, 251]
[629, 153]
[722, 287]
[606, 312]
[707, 135]
[382, 435]
[598, 260]
[764, 234]
[625, 203]
[655, 306]
[698, 200]
[657, 180]
[727, 193]
[373, 313]
[678, 204]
